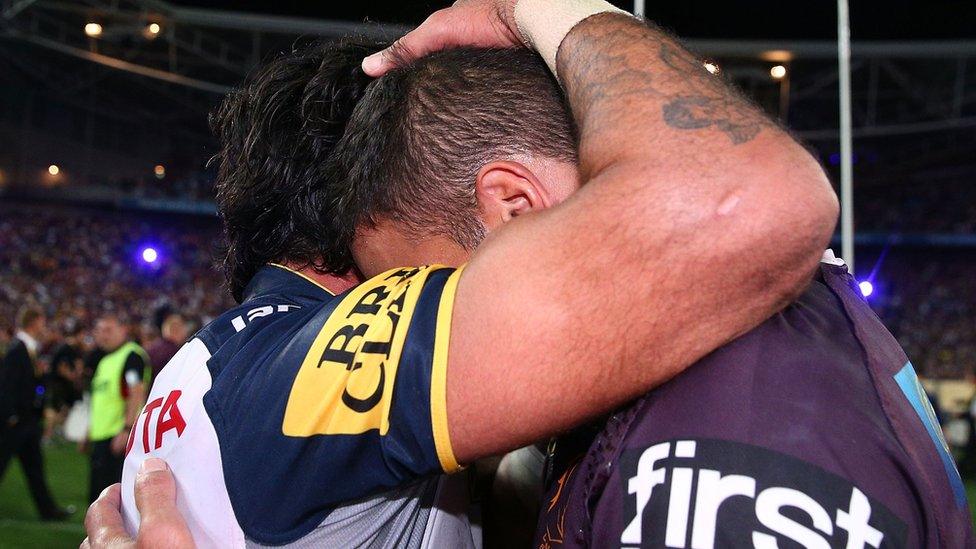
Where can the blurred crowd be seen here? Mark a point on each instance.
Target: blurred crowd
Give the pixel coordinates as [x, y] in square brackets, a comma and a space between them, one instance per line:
[948, 207]
[76, 264]
[927, 298]
[192, 187]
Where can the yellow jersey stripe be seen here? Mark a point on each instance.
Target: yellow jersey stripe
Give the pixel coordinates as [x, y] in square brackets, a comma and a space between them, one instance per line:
[438, 376]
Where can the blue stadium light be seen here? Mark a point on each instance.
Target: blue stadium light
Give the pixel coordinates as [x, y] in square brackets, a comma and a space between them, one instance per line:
[150, 255]
[866, 288]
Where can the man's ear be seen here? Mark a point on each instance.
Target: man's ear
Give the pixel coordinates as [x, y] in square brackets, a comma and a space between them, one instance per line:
[506, 189]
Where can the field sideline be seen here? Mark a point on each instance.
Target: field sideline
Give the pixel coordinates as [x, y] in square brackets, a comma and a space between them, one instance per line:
[67, 474]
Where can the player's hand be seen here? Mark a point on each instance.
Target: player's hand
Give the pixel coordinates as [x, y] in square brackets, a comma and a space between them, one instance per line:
[480, 23]
[161, 524]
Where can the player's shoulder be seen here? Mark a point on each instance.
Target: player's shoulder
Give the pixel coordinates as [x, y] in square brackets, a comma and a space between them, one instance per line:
[249, 318]
[356, 346]
[348, 394]
[286, 312]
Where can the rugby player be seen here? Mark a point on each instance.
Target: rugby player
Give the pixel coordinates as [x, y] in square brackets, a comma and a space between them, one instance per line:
[280, 421]
[811, 429]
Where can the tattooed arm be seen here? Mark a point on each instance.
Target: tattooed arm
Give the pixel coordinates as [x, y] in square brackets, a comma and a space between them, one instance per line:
[699, 219]
[636, 86]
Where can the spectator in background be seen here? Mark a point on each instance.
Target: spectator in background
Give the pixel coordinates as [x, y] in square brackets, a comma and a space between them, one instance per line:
[78, 263]
[21, 393]
[174, 333]
[64, 379]
[5, 337]
[118, 390]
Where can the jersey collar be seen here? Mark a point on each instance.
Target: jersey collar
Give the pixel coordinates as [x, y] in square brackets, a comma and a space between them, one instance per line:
[276, 279]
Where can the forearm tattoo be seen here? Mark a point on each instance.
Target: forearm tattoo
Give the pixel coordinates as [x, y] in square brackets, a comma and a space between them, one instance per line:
[607, 66]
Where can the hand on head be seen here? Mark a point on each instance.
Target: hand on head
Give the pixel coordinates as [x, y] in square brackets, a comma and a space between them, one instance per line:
[478, 23]
[161, 524]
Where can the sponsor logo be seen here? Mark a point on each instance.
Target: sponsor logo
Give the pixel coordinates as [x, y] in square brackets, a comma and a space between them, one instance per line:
[168, 419]
[710, 493]
[345, 383]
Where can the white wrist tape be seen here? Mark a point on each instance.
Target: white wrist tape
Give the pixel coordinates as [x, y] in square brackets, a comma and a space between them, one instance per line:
[544, 23]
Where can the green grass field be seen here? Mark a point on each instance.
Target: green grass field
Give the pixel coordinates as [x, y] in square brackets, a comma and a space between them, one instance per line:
[67, 473]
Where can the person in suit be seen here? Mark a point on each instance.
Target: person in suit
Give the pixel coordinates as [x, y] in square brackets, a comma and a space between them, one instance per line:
[21, 408]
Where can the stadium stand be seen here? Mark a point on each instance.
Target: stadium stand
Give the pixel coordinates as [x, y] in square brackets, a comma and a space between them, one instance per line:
[57, 255]
[77, 263]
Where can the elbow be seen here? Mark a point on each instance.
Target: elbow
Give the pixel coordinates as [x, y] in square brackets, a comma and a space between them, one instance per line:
[798, 222]
[813, 219]
[816, 210]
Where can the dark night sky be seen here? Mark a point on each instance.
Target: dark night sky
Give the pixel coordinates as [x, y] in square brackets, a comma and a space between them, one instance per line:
[753, 19]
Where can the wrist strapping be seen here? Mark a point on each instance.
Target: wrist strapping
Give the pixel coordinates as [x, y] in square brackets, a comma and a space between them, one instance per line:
[544, 23]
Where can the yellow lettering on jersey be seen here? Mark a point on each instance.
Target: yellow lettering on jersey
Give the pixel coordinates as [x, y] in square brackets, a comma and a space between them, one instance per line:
[345, 383]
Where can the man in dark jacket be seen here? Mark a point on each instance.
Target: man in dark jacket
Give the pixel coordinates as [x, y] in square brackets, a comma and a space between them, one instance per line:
[20, 410]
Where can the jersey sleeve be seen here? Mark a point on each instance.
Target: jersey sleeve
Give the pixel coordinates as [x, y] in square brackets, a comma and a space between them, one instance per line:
[326, 404]
[134, 369]
[378, 365]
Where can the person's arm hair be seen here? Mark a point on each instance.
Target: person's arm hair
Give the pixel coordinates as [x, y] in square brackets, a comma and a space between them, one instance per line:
[698, 219]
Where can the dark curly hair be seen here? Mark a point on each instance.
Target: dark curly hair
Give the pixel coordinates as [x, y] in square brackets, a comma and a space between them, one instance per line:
[276, 134]
[311, 148]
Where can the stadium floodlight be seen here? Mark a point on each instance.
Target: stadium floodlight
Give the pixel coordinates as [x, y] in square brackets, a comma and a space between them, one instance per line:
[93, 29]
[866, 288]
[778, 72]
[160, 171]
[150, 255]
[53, 169]
[711, 67]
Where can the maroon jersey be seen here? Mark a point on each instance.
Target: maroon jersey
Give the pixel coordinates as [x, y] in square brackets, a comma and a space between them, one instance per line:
[812, 430]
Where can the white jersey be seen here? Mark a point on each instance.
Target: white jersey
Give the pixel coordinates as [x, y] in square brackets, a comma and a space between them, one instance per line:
[306, 419]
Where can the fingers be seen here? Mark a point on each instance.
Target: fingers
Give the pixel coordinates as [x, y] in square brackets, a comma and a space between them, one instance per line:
[155, 492]
[103, 521]
[155, 488]
[433, 34]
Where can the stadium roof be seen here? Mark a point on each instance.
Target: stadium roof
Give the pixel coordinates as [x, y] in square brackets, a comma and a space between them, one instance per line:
[913, 68]
[754, 19]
